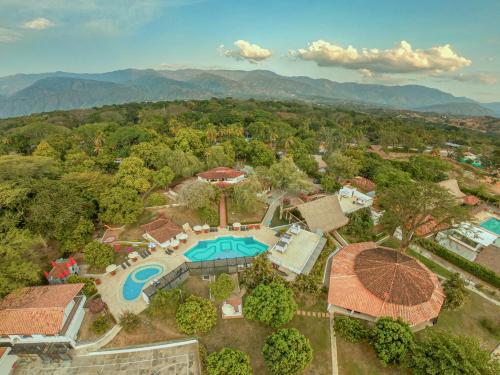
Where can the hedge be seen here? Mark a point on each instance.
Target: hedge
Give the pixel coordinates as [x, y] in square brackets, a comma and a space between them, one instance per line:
[475, 269]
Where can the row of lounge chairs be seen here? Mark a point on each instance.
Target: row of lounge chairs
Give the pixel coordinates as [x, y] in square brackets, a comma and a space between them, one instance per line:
[169, 252]
[286, 238]
[243, 228]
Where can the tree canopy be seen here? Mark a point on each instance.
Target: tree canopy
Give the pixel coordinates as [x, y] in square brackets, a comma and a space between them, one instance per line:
[222, 287]
[229, 362]
[392, 340]
[196, 315]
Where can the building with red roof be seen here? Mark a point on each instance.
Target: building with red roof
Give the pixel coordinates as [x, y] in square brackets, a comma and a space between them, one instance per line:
[61, 270]
[471, 200]
[161, 231]
[368, 282]
[35, 319]
[223, 176]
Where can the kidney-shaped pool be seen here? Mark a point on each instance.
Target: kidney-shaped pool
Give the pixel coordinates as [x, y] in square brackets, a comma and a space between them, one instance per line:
[136, 281]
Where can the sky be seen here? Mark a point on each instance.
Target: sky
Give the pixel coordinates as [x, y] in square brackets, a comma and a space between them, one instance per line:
[450, 45]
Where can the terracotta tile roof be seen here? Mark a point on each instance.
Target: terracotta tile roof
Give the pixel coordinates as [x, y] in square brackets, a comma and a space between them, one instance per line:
[61, 268]
[36, 310]
[430, 226]
[363, 183]
[162, 229]
[220, 173]
[471, 200]
[379, 282]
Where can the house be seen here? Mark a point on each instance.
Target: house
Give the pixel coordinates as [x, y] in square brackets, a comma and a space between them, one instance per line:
[42, 320]
[471, 200]
[232, 308]
[161, 231]
[466, 240]
[321, 215]
[61, 270]
[362, 183]
[352, 200]
[358, 286]
[222, 176]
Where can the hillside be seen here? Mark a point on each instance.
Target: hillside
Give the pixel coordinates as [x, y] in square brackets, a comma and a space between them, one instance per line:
[31, 93]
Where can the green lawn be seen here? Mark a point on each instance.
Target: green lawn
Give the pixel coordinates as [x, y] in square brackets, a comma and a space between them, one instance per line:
[430, 264]
[236, 215]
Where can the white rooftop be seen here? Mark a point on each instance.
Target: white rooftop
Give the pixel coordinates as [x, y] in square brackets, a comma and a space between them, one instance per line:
[476, 234]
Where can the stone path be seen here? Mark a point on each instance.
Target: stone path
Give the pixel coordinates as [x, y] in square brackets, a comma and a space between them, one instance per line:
[313, 314]
[274, 203]
[222, 211]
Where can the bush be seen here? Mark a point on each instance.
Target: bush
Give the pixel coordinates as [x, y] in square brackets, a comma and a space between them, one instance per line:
[392, 340]
[89, 288]
[155, 199]
[287, 351]
[208, 215]
[475, 269]
[164, 303]
[229, 362]
[129, 321]
[98, 254]
[272, 304]
[222, 287]
[350, 329]
[455, 291]
[100, 325]
[196, 315]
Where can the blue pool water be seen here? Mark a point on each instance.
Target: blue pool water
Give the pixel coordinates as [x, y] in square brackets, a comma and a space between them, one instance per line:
[492, 224]
[136, 281]
[225, 247]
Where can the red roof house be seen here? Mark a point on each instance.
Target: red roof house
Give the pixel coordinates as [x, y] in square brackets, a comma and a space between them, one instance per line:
[161, 231]
[368, 282]
[471, 200]
[61, 270]
[222, 174]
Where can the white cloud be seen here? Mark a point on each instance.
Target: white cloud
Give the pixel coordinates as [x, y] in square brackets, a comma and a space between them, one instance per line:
[8, 35]
[400, 59]
[38, 24]
[246, 51]
[478, 78]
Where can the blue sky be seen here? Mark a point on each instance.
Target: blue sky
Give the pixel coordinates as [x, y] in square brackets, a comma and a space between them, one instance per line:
[450, 45]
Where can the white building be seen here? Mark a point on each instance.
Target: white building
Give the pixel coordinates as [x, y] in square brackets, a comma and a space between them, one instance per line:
[42, 320]
[351, 199]
[222, 175]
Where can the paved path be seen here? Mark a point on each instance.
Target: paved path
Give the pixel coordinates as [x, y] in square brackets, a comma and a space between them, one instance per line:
[222, 211]
[313, 314]
[333, 345]
[274, 203]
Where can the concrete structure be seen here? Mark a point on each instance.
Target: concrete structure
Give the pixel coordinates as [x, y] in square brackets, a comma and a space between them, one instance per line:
[352, 200]
[61, 270]
[7, 361]
[466, 240]
[368, 282]
[232, 308]
[222, 176]
[42, 320]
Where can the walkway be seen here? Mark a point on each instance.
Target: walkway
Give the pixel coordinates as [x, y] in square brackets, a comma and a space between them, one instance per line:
[274, 203]
[314, 314]
[222, 211]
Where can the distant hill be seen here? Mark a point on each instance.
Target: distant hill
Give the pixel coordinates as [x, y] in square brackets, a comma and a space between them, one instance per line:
[23, 94]
[495, 107]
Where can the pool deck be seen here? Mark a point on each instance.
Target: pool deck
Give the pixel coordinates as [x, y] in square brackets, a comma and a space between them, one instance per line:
[111, 287]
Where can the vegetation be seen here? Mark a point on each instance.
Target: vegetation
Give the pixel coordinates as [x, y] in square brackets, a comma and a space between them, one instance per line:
[101, 324]
[392, 340]
[229, 362]
[455, 291]
[261, 272]
[442, 352]
[350, 329]
[360, 226]
[164, 303]
[222, 287]
[98, 254]
[287, 351]
[155, 199]
[129, 321]
[196, 315]
[272, 304]
[89, 288]
[475, 269]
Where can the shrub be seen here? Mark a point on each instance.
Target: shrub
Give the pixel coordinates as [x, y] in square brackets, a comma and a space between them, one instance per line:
[98, 254]
[222, 287]
[155, 199]
[89, 288]
[475, 269]
[196, 315]
[272, 304]
[208, 215]
[229, 361]
[101, 324]
[392, 340]
[350, 329]
[287, 351]
[455, 291]
[164, 303]
[129, 321]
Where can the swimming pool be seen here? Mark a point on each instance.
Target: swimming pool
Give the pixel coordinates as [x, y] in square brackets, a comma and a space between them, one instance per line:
[492, 224]
[136, 281]
[225, 247]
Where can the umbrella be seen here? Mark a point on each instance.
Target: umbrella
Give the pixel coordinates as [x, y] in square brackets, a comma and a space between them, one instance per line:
[197, 228]
[133, 254]
[182, 236]
[205, 227]
[236, 225]
[111, 268]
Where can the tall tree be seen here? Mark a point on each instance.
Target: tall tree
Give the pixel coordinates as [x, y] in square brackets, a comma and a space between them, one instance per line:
[229, 362]
[133, 174]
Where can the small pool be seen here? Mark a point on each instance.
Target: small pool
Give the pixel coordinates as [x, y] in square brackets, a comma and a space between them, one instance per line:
[136, 281]
[492, 224]
[225, 247]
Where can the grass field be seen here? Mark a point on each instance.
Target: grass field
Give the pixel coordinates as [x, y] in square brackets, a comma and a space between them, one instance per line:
[235, 215]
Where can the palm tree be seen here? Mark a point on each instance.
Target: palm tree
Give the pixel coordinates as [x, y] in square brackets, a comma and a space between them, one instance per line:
[98, 142]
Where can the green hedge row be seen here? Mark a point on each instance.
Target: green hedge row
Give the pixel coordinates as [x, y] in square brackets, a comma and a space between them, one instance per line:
[475, 269]
[481, 194]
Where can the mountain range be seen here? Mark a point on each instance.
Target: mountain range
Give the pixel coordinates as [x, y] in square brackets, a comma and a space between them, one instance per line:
[23, 94]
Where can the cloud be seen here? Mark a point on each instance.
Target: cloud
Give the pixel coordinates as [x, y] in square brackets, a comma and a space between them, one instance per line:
[477, 78]
[246, 51]
[8, 35]
[400, 59]
[38, 24]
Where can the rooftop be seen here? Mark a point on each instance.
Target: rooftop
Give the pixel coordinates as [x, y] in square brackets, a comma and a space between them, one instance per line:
[323, 214]
[162, 229]
[379, 281]
[36, 310]
[220, 173]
